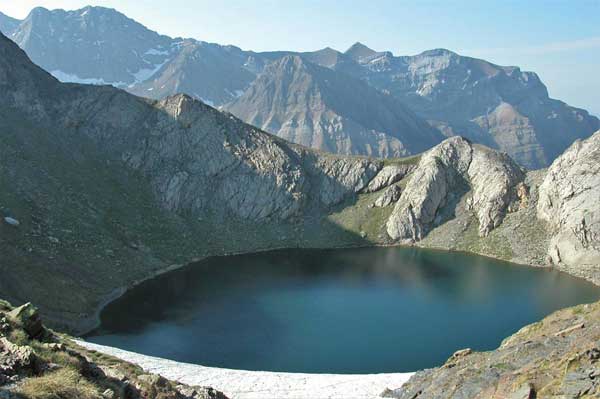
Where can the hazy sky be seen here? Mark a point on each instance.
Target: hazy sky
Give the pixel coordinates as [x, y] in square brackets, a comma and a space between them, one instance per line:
[560, 40]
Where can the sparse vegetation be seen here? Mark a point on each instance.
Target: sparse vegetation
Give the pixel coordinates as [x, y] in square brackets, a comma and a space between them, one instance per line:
[52, 366]
[65, 383]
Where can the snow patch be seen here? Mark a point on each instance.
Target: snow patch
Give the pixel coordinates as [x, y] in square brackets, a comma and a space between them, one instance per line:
[146, 73]
[70, 78]
[206, 101]
[242, 384]
[154, 51]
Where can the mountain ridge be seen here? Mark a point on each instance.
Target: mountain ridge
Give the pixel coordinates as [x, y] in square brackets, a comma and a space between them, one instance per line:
[501, 107]
[316, 107]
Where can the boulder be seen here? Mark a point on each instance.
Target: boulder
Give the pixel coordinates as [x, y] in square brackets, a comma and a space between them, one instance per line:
[12, 221]
[196, 392]
[16, 360]
[389, 196]
[388, 175]
[28, 317]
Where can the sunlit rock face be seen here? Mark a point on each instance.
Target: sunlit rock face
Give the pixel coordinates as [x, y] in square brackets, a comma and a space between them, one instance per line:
[569, 198]
[441, 174]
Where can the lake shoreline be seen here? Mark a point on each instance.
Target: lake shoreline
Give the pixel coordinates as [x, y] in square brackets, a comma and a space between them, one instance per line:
[244, 384]
[89, 325]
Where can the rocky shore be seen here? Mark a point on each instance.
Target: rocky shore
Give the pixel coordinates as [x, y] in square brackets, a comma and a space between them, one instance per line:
[37, 363]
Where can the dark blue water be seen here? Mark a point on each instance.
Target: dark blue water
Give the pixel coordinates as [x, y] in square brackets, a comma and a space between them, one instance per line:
[339, 311]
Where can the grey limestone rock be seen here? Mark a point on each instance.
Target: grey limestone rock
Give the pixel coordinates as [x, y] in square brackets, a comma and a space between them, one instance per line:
[492, 177]
[388, 175]
[568, 200]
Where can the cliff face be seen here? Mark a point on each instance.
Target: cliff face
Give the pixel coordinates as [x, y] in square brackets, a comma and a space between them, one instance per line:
[499, 106]
[439, 178]
[320, 108]
[569, 202]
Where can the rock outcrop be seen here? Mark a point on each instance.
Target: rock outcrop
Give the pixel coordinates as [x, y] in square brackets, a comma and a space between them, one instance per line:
[493, 177]
[569, 200]
[442, 176]
[196, 158]
[388, 175]
[53, 366]
[389, 196]
[558, 357]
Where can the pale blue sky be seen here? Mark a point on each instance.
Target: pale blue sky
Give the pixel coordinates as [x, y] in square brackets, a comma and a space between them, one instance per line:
[560, 40]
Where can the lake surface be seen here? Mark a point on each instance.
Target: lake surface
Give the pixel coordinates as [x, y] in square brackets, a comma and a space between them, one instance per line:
[366, 310]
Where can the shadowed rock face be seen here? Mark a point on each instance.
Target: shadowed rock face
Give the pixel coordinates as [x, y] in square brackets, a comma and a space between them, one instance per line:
[438, 179]
[319, 108]
[569, 201]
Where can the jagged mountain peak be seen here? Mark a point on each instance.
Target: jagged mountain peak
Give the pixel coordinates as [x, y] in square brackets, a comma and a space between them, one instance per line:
[8, 24]
[320, 108]
[358, 51]
[494, 105]
[327, 57]
[288, 61]
[438, 52]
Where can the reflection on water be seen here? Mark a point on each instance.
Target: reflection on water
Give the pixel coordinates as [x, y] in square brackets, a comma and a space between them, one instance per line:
[344, 311]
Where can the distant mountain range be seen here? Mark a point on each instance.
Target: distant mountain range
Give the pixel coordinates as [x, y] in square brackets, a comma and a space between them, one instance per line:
[317, 107]
[357, 102]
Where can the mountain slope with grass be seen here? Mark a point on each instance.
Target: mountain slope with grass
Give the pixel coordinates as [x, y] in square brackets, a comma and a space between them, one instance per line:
[102, 188]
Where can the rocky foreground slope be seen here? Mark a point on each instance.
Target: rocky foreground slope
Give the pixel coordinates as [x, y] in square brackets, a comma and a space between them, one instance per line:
[37, 363]
[558, 357]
